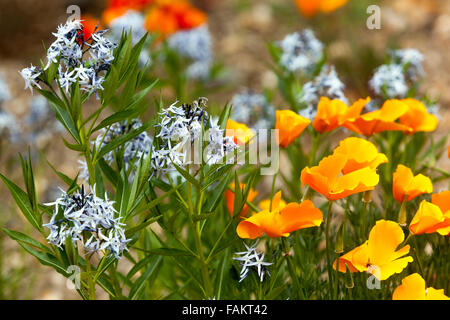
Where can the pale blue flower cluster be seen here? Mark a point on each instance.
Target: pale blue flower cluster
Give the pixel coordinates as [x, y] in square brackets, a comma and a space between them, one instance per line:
[301, 51]
[68, 51]
[395, 79]
[252, 259]
[326, 84]
[89, 219]
[196, 45]
[253, 109]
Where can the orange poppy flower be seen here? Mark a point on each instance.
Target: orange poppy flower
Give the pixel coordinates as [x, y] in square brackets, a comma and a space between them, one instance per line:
[406, 184]
[281, 220]
[168, 17]
[334, 113]
[310, 8]
[383, 119]
[434, 216]
[265, 204]
[290, 126]
[239, 131]
[413, 287]
[367, 154]
[229, 199]
[417, 117]
[344, 172]
[378, 255]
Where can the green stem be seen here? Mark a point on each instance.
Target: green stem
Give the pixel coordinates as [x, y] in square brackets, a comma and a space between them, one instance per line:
[91, 284]
[198, 244]
[328, 244]
[272, 192]
[416, 256]
[291, 268]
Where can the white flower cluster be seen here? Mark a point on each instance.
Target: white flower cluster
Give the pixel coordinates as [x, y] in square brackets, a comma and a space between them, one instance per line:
[133, 150]
[180, 128]
[88, 219]
[196, 45]
[134, 22]
[412, 60]
[389, 80]
[395, 79]
[70, 48]
[326, 84]
[301, 51]
[252, 258]
[253, 109]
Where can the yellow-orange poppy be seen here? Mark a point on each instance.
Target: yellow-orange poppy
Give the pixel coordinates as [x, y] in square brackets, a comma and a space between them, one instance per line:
[383, 119]
[360, 153]
[229, 199]
[281, 220]
[310, 8]
[345, 173]
[239, 131]
[434, 216]
[334, 113]
[413, 287]
[290, 126]
[277, 202]
[417, 117]
[405, 184]
[379, 255]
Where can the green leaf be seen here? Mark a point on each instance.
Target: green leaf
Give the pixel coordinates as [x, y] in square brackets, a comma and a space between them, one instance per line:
[21, 237]
[170, 252]
[75, 147]
[121, 140]
[131, 231]
[146, 278]
[131, 111]
[46, 259]
[188, 177]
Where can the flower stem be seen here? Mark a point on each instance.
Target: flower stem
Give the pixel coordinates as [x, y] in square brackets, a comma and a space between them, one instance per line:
[291, 268]
[328, 244]
[91, 284]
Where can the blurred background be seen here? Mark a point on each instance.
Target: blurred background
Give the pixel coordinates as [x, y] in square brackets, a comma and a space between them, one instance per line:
[241, 30]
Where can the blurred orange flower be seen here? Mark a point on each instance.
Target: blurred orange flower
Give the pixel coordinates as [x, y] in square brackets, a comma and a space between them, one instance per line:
[405, 184]
[417, 117]
[89, 25]
[312, 7]
[229, 199]
[239, 131]
[344, 172]
[168, 17]
[334, 113]
[290, 126]
[413, 287]
[383, 119]
[281, 220]
[378, 255]
[434, 216]
[117, 8]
